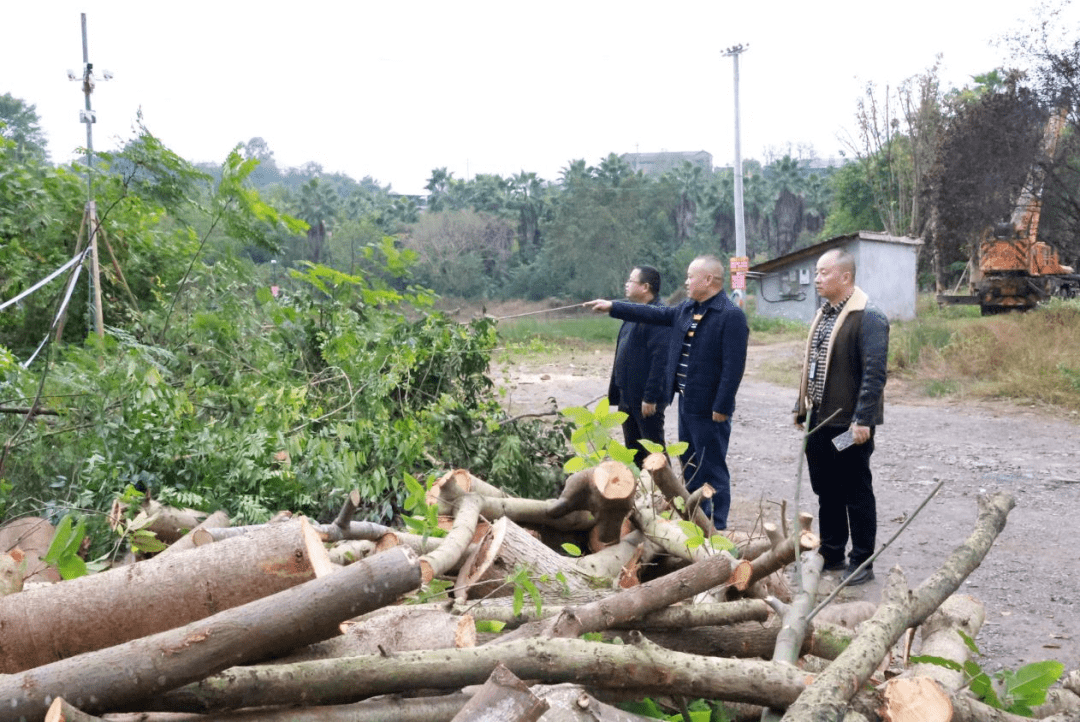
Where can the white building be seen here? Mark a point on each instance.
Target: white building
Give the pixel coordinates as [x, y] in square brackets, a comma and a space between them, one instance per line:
[885, 267]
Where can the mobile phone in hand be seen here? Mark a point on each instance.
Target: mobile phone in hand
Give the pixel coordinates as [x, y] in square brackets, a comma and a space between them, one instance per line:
[844, 440]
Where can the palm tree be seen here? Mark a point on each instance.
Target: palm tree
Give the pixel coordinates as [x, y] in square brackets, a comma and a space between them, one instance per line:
[787, 211]
[689, 187]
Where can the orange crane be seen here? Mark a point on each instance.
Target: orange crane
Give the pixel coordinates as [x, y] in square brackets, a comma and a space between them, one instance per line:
[1017, 270]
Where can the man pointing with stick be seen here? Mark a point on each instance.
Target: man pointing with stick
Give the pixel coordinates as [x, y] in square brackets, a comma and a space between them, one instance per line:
[705, 363]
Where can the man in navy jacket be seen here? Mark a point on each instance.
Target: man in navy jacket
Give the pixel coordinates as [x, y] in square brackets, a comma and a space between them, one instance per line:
[637, 376]
[705, 364]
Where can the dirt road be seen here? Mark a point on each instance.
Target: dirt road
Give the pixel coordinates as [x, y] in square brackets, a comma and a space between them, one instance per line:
[1030, 581]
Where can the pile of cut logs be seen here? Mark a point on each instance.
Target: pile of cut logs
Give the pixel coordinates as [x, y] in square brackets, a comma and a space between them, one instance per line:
[352, 620]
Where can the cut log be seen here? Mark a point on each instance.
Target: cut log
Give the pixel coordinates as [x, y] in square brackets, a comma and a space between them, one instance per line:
[672, 487]
[640, 667]
[638, 601]
[449, 553]
[751, 639]
[669, 537]
[916, 699]
[466, 483]
[32, 535]
[168, 523]
[846, 614]
[398, 628]
[131, 675]
[606, 490]
[12, 571]
[618, 561]
[216, 520]
[328, 532]
[828, 695]
[47, 624]
[940, 638]
[347, 552]
[506, 548]
[503, 698]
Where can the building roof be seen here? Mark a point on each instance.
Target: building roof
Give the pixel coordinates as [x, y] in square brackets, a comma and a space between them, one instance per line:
[818, 248]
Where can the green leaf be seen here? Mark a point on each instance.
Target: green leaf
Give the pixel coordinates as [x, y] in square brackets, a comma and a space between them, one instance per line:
[969, 642]
[620, 453]
[939, 661]
[721, 543]
[490, 626]
[579, 415]
[572, 549]
[519, 599]
[71, 567]
[593, 637]
[678, 448]
[144, 540]
[1028, 685]
[651, 446]
[981, 685]
[59, 541]
[574, 464]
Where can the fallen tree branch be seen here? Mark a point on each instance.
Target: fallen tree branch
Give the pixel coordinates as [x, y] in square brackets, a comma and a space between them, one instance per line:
[830, 692]
[127, 675]
[641, 667]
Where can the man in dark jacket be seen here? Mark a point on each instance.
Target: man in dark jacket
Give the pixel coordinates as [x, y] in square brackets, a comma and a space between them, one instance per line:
[636, 386]
[705, 363]
[844, 373]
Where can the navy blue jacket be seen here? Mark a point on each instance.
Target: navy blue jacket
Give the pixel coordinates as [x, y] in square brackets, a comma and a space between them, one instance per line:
[640, 361]
[717, 353]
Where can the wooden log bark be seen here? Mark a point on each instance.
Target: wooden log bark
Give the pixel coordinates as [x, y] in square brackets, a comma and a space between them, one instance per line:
[32, 535]
[347, 552]
[793, 632]
[440, 560]
[675, 617]
[441, 708]
[827, 697]
[640, 667]
[495, 505]
[327, 532]
[12, 571]
[607, 491]
[669, 537]
[620, 561]
[638, 601]
[128, 676]
[502, 698]
[169, 523]
[47, 624]
[216, 520]
[672, 487]
[507, 547]
[750, 639]
[393, 629]
[940, 638]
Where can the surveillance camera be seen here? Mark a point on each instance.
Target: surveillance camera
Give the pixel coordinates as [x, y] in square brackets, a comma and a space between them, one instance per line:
[108, 75]
[72, 75]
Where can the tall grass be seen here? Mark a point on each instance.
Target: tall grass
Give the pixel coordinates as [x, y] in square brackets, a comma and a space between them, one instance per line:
[1030, 357]
[559, 330]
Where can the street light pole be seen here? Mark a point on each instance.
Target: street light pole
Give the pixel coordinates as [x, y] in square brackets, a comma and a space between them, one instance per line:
[740, 263]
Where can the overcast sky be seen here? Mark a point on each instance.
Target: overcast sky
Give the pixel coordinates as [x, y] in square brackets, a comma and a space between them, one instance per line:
[392, 90]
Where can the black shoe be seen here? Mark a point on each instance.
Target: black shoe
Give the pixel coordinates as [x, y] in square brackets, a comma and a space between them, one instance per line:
[834, 566]
[862, 577]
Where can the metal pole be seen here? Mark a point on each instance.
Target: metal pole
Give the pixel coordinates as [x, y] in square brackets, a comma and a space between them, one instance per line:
[739, 263]
[91, 211]
[740, 222]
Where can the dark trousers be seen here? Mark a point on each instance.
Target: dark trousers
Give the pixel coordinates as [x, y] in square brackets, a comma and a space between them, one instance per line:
[637, 427]
[844, 487]
[705, 462]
